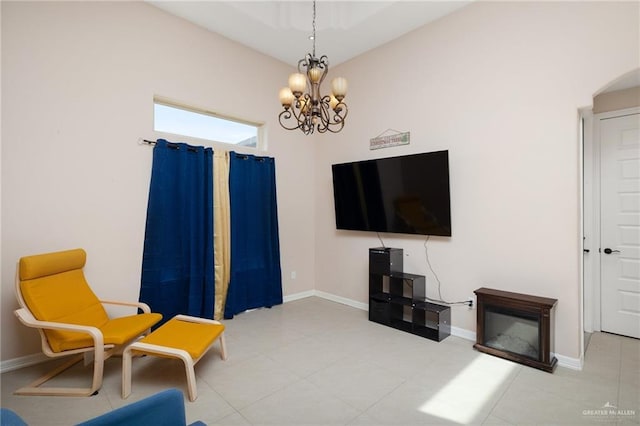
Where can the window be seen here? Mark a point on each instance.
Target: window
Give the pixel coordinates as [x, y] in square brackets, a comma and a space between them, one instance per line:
[196, 123]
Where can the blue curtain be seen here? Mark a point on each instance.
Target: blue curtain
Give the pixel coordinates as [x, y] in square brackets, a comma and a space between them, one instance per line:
[256, 278]
[177, 264]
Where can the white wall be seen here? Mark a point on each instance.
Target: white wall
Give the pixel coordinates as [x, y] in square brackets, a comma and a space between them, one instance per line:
[78, 82]
[499, 85]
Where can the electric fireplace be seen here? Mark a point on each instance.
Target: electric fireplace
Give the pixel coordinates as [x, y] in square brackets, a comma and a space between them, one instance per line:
[515, 326]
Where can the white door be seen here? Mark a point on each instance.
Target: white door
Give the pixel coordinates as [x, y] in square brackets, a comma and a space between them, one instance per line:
[620, 224]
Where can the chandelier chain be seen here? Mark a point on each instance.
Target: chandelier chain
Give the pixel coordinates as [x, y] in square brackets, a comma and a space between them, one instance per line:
[314, 28]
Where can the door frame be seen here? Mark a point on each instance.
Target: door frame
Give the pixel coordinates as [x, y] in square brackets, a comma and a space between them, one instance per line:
[591, 215]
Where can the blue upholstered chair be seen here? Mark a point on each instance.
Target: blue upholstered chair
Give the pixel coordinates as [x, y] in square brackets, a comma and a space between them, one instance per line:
[165, 408]
[10, 418]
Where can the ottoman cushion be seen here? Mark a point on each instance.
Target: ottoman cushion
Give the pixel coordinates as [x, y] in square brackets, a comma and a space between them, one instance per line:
[195, 338]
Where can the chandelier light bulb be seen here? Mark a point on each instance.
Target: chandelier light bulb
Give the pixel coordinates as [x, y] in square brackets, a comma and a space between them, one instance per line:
[314, 74]
[297, 84]
[339, 87]
[286, 97]
[333, 102]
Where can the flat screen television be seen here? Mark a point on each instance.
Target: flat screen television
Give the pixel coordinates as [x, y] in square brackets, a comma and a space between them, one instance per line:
[404, 195]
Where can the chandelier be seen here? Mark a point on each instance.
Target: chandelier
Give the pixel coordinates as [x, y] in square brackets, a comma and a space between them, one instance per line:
[304, 107]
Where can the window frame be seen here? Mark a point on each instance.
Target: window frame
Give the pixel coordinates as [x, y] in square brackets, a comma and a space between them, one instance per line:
[259, 126]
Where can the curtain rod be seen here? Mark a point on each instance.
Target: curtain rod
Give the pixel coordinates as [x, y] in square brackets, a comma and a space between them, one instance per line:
[239, 155]
[171, 145]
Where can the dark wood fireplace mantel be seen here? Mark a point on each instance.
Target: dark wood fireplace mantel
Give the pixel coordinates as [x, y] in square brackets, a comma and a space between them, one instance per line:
[515, 326]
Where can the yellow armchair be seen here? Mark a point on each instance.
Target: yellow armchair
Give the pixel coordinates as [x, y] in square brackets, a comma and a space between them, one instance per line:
[56, 300]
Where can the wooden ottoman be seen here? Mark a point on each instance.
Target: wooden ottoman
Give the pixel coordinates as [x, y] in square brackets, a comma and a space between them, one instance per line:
[184, 337]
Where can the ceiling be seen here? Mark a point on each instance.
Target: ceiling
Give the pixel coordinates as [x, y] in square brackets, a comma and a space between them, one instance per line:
[344, 28]
[281, 29]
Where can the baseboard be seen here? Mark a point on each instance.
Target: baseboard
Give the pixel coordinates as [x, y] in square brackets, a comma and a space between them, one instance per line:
[21, 362]
[463, 333]
[298, 296]
[342, 300]
[568, 362]
[326, 296]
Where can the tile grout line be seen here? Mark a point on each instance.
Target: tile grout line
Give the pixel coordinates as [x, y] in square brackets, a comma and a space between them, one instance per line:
[498, 400]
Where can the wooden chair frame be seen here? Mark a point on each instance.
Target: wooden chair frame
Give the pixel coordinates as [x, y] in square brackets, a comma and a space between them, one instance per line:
[99, 350]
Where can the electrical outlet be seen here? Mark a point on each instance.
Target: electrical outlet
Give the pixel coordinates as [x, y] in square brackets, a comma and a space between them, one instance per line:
[293, 275]
[470, 302]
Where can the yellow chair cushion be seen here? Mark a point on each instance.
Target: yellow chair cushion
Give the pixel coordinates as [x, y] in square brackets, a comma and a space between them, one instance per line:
[119, 331]
[41, 265]
[193, 337]
[66, 298]
[54, 289]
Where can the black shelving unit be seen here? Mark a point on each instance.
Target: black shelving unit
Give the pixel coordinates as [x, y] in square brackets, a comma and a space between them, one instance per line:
[398, 299]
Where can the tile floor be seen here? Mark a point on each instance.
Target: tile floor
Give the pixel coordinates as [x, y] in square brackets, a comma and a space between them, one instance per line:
[316, 362]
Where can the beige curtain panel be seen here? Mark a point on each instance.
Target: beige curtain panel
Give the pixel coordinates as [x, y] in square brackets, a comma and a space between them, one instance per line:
[221, 229]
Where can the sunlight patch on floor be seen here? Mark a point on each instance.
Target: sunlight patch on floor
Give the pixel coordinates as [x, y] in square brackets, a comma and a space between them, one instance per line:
[468, 393]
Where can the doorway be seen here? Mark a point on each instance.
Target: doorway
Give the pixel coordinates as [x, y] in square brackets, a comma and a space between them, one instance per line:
[619, 137]
[619, 140]
[611, 223]
[611, 280]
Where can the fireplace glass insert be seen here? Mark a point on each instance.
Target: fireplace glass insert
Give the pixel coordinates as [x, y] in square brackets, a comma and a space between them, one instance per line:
[511, 331]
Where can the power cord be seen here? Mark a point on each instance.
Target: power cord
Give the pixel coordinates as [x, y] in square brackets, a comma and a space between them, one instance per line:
[469, 303]
[380, 238]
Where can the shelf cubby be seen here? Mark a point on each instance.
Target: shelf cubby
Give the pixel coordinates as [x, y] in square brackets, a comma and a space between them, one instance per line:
[398, 299]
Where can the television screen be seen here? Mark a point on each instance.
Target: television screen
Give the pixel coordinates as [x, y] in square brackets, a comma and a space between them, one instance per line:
[404, 195]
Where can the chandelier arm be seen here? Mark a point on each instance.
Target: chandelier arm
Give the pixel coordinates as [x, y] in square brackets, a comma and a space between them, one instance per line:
[306, 126]
[304, 117]
[338, 124]
[322, 126]
[323, 63]
[298, 115]
[338, 119]
[341, 112]
[325, 115]
[304, 62]
[338, 129]
[297, 107]
[286, 115]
